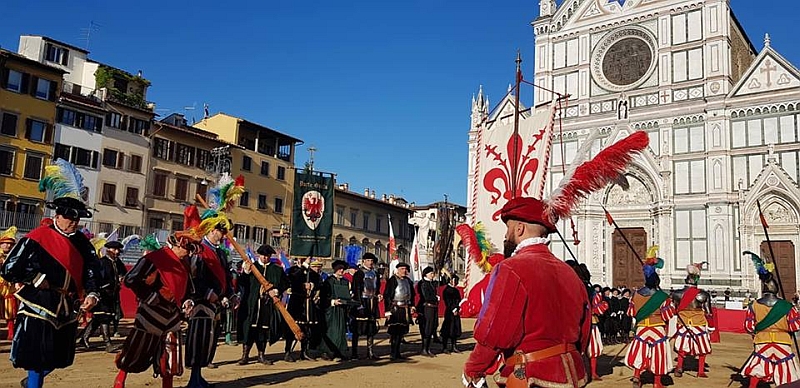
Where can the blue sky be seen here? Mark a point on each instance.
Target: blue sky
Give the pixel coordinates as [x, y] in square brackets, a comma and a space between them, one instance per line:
[382, 89]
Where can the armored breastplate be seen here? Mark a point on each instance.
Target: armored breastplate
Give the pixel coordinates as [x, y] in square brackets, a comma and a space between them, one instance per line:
[402, 293]
[370, 284]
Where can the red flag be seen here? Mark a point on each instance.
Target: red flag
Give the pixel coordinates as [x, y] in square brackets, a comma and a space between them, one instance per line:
[609, 218]
[761, 216]
[392, 243]
[763, 220]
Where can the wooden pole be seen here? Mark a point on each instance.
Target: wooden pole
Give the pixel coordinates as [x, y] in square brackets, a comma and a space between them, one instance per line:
[296, 330]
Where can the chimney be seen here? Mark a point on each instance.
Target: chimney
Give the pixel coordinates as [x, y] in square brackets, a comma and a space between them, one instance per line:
[366, 192]
[346, 186]
[384, 198]
[372, 195]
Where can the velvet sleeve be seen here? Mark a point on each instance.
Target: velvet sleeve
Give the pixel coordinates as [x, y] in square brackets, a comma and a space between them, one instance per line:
[494, 331]
[19, 267]
[136, 278]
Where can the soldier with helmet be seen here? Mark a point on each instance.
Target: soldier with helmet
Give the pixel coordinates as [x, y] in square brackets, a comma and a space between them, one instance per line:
[693, 304]
[398, 299]
[366, 290]
[771, 320]
[652, 307]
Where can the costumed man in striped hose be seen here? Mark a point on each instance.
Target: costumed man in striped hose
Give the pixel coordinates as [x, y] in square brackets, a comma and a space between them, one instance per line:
[693, 304]
[160, 280]
[8, 304]
[770, 320]
[649, 349]
[57, 267]
[598, 307]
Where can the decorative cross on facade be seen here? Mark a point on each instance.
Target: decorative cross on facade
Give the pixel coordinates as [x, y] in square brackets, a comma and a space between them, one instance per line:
[664, 96]
[768, 69]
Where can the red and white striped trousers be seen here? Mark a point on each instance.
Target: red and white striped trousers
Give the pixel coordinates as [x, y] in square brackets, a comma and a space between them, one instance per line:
[773, 361]
[595, 342]
[693, 345]
[650, 350]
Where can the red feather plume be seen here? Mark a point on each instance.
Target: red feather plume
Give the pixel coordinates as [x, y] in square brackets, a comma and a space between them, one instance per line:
[594, 174]
[470, 241]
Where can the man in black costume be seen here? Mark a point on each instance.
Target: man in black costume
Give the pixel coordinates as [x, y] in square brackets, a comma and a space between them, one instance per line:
[451, 326]
[57, 267]
[305, 284]
[366, 290]
[263, 323]
[398, 299]
[429, 306]
[104, 314]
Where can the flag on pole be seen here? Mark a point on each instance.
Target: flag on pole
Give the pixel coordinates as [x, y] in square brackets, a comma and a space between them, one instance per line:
[609, 218]
[761, 216]
[392, 243]
[114, 236]
[284, 261]
[417, 273]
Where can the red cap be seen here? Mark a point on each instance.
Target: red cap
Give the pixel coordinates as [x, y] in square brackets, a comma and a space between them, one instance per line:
[528, 210]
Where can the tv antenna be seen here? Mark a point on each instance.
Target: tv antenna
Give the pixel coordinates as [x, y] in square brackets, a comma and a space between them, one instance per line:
[86, 33]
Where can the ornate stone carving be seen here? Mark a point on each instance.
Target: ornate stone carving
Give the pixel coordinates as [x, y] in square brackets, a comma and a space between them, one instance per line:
[778, 214]
[637, 194]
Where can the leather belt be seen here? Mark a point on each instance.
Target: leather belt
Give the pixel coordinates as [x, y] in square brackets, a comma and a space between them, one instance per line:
[400, 304]
[524, 358]
[431, 305]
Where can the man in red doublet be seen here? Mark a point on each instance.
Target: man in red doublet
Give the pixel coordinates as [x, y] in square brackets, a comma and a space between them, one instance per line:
[544, 347]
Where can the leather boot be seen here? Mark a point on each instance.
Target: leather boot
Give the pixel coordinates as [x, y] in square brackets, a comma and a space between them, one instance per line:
[110, 348]
[304, 355]
[393, 341]
[262, 358]
[454, 347]
[370, 345]
[87, 332]
[354, 348]
[287, 356]
[245, 355]
[445, 345]
[428, 348]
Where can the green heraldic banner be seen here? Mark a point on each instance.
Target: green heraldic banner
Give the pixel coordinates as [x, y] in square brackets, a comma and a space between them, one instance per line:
[312, 216]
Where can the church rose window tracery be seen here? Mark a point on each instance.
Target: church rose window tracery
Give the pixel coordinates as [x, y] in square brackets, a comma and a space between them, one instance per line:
[624, 59]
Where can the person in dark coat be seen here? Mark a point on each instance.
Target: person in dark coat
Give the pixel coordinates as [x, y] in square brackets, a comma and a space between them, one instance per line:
[104, 314]
[336, 300]
[398, 300]
[366, 291]
[451, 326]
[429, 306]
[57, 267]
[305, 284]
[263, 323]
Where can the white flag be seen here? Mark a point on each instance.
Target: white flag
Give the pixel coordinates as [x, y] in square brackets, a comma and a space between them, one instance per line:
[416, 270]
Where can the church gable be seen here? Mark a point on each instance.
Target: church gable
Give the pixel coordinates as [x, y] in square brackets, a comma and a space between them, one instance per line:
[574, 13]
[769, 72]
[773, 178]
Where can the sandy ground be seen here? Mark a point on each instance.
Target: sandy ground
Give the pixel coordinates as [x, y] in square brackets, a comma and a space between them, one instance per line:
[95, 368]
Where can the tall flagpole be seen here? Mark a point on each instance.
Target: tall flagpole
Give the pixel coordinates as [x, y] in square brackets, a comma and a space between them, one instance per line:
[775, 263]
[515, 157]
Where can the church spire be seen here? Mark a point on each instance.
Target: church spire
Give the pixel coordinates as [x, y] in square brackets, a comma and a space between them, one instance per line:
[547, 8]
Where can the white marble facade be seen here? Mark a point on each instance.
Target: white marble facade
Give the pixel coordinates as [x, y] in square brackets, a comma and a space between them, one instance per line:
[723, 119]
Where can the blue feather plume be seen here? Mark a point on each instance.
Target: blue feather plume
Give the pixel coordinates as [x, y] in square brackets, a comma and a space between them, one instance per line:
[63, 180]
[353, 253]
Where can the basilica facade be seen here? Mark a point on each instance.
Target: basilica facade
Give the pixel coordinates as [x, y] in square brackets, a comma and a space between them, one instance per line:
[723, 120]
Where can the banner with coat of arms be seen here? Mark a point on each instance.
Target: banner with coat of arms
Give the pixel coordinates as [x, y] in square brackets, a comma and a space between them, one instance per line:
[312, 215]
